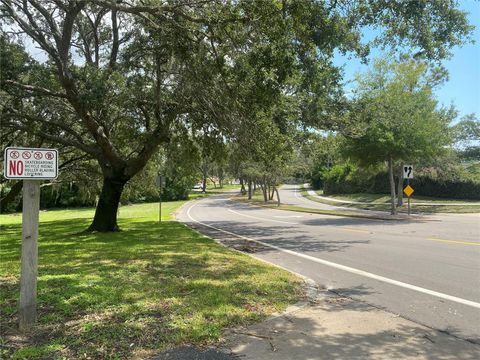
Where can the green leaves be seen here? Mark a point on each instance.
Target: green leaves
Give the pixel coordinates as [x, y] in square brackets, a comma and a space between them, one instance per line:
[400, 116]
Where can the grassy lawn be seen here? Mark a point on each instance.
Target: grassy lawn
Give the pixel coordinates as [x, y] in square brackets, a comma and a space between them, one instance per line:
[133, 293]
[211, 190]
[382, 202]
[385, 198]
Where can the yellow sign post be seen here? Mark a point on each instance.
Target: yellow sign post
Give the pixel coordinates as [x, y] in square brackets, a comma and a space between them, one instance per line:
[408, 191]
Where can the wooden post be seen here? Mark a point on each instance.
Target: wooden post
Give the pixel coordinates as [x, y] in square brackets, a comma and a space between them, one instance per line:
[29, 259]
[160, 180]
[160, 205]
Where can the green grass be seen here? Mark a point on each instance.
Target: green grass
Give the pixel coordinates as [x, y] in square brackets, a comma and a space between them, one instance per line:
[382, 202]
[385, 198]
[257, 199]
[211, 190]
[132, 293]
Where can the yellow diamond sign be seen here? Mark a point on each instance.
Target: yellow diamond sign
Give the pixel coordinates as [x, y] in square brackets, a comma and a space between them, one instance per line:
[408, 190]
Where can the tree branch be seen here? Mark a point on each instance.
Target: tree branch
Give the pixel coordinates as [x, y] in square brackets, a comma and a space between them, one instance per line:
[160, 135]
[37, 89]
[69, 20]
[31, 28]
[115, 40]
[92, 150]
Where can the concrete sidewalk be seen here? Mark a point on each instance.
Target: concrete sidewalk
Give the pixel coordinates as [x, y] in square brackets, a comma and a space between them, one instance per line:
[329, 326]
[335, 327]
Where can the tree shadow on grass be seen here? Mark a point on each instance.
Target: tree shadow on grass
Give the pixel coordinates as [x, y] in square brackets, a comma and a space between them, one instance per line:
[148, 286]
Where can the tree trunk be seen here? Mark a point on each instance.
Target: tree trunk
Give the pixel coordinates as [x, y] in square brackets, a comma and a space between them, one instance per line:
[12, 194]
[242, 186]
[105, 218]
[272, 194]
[264, 190]
[204, 184]
[400, 188]
[220, 178]
[392, 186]
[278, 195]
[249, 189]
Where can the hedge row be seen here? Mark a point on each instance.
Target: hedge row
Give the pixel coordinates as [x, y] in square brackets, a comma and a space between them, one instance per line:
[455, 189]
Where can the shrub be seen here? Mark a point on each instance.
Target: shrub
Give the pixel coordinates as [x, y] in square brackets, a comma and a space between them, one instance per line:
[455, 189]
[342, 179]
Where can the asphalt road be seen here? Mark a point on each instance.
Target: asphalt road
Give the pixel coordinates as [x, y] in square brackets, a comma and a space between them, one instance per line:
[426, 270]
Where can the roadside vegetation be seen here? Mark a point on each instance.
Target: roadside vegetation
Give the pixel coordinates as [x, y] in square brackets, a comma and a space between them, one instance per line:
[384, 198]
[257, 200]
[131, 293]
[423, 204]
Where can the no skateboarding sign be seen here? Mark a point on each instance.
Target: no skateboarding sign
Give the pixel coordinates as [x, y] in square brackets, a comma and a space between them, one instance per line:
[30, 163]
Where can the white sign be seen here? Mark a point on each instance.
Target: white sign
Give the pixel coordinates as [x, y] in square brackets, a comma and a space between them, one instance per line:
[30, 163]
[407, 171]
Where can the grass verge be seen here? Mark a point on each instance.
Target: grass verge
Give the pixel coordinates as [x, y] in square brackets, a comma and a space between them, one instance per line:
[130, 294]
[381, 202]
[258, 201]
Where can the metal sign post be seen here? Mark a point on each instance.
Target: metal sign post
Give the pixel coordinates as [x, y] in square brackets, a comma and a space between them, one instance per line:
[408, 174]
[408, 191]
[160, 180]
[408, 184]
[30, 165]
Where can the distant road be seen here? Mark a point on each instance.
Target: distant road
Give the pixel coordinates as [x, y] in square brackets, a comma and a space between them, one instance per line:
[427, 270]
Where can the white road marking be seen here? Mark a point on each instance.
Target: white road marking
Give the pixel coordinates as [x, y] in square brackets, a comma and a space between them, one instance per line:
[295, 192]
[259, 218]
[347, 268]
[356, 230]
[287, 216]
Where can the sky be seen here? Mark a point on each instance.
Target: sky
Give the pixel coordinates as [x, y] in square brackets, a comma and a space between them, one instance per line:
[463, 87]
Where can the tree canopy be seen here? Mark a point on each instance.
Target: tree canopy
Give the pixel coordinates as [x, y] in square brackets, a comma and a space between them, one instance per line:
[124, 77]
[398, 117]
